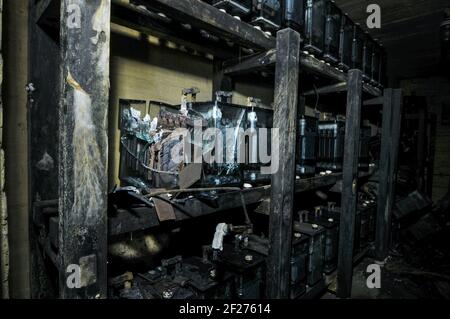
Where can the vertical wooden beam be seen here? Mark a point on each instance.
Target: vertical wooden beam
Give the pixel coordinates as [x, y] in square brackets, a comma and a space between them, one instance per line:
[282, 193]
[43, 138]
[349, 184]
[85, 45]
[390, 139]
[422, 149]
[4, 243]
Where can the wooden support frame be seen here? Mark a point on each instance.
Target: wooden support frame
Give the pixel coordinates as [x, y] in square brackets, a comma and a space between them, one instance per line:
[390, 139]
[349, 184]
[283, 180]
[83, 144]
[204, 16]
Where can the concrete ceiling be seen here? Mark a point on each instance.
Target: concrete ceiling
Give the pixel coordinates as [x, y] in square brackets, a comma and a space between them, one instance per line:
[409, 31]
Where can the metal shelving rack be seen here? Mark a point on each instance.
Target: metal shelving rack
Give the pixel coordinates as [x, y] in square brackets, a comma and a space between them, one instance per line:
[69, 68]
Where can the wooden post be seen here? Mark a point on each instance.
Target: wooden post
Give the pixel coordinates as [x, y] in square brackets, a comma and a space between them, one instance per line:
[83, 145]
[390, 139]
[282, 193]
[349, 184]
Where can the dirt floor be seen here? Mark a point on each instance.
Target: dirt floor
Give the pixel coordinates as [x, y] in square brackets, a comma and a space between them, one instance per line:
[415, 270]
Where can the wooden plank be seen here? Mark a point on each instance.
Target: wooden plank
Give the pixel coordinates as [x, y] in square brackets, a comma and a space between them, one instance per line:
[43, 108]
[349, 184]
[83, 144]
[283, 180]
[382, 227]
[204, 16]
[390, 139]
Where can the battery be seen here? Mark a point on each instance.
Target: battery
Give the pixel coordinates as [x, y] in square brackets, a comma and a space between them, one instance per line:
[332, 32]
[248, 269]
[331, 144]
[293, 14]
[358, 47]
[316, 248]
[314, 28]
[330, 223]
[299, 257]
[267, 14]
[307, 145]
[364, 156]
[205, 280]
[368, 51]
[376, 63]
[238, 8]
[346, 43]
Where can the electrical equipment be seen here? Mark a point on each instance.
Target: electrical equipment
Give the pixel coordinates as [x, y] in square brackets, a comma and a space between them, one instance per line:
[364, 156]
[358, 47]
[267, 14]
[331, 144]
[178, 278]
[332, 32]
[314, 28]
[316, 237]
[346, 43]
[369, 45]
[247, 268]
[258, 119]
[367, 208]
[294, 14]
[306, 149]
[444, 33]
[299, 257]
[238, 8]
[327, 219]
[376, 64]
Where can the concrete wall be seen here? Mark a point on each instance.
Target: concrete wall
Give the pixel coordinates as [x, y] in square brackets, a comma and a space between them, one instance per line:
[15, 35]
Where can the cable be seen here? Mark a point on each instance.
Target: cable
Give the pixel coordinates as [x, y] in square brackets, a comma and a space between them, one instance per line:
[142, 164]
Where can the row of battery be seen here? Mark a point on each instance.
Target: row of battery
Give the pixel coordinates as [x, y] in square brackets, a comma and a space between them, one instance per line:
[328, 33]
[239, 270]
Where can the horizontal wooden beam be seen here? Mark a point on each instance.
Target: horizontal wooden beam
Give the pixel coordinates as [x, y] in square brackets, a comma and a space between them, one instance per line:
[125, 222]
[149, 23]
[309, 64]
[206, 17]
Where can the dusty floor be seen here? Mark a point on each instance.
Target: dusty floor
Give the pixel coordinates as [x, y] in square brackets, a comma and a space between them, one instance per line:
[415, 271]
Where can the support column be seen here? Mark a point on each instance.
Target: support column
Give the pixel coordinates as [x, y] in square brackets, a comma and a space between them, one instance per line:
[349, 184]
[390, 139]
[83, 144]
[282, 196]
